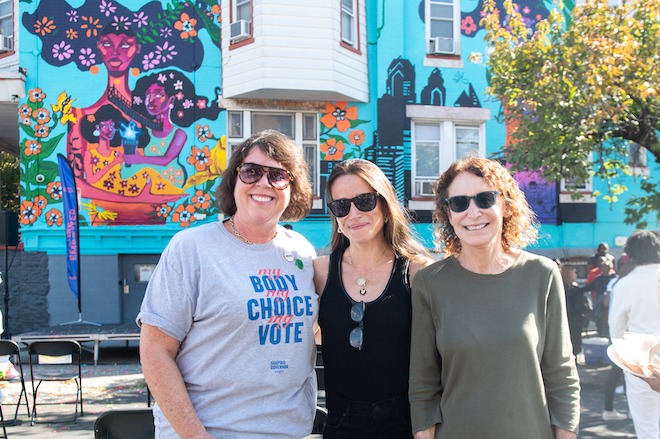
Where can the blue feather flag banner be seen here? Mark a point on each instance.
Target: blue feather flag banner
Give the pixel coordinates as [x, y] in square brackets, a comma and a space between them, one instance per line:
[70, 200]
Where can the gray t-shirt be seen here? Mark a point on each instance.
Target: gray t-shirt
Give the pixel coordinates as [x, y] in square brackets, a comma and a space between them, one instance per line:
[244, 315]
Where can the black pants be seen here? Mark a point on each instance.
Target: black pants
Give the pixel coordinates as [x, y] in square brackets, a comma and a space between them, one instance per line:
[614, 378]
[388, 419]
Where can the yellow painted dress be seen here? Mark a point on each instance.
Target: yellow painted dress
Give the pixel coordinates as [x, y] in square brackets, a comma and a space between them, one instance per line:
[117, 182]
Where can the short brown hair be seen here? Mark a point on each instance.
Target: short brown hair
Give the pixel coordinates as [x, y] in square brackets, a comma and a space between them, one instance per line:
[519, 228]
[280, 148]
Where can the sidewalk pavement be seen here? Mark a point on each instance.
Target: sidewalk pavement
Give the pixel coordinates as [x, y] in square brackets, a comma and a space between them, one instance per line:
[117, 383]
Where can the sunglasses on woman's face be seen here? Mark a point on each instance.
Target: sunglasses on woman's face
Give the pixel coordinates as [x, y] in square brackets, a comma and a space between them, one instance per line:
[364, 203]
[250, 173]
[483, 200]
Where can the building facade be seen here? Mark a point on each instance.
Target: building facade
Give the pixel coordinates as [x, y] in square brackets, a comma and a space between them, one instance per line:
[146, 99]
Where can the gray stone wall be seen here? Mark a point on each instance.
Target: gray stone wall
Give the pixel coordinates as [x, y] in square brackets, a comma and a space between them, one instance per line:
[28, 288]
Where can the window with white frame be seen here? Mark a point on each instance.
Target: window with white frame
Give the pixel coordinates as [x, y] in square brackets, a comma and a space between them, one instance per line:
[443, 26]
[349, 22]
[6, 26]
[240, 27]
[299, 126]
[436, 144]
[243, 10]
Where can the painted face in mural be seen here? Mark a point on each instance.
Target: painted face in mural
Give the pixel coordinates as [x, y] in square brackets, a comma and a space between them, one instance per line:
[107, 129]
[117, 51]
[156, 100]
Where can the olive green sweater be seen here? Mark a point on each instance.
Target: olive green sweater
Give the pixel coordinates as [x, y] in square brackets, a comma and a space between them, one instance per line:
[491, 355]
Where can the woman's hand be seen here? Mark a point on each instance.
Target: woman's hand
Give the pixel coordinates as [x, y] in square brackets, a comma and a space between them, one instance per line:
[560, 433]
[654, 381]
[429, 433]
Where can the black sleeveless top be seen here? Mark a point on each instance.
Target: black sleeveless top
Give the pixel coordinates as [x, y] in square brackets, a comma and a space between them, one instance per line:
[380, 370]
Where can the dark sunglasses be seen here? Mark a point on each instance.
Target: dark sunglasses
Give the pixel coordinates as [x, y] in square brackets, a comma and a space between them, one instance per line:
[356, 336]
[250, 173]
[364, 203]
[483, 200]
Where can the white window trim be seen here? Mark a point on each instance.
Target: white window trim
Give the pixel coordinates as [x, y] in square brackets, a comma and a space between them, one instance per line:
[448, 118]
[456, 25]
[567, 195]
[354, 25]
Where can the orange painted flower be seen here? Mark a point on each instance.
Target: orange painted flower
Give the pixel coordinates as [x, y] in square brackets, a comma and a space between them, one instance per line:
[40, 203]
[203, 133]
[41, 131]
[28, 213]
[201, 158]
[163, 210]
[91, 26]
[24, 111]
[71, 34]
[54, 217]
[356, 137]
[338, 115]
[44, 26]
[41, 115]
[187, 26]
[184, 215]
[201, 200]
[333, 149]
[32, 147]
[54, 189]
[36, 95]
[215, 9]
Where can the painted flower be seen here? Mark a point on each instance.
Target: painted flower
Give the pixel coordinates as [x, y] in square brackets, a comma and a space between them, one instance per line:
[333, 149]
[140, 19]
[184, 215]
[62, 51]
[24, 110]
[356, 137]
[137, 100]
[163, 210]
[186, 25]
[91, 26]
[41, 115]
[41, 131]
[162, 78]
[32, 147]
[71, 34]
[36, 95]
[468, 25]
[338, 115]
[178, 85]
[73, 16]
[187, 104]
[165, 32]
[203, 133]
[44, 26]
[149, 61]
[166, 52]
[28, 213]
[54, 189]
[201, 200]
[121, 23]
[97, 212]
[200, 158]
[27, 121]
[40, 203]
[87, 57]
[54, 217]
[107, 8]
[216, 165]
[201, 103]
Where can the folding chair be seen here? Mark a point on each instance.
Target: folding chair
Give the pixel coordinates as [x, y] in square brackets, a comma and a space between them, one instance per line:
[53, 360]
[9, 347]
[125, 424]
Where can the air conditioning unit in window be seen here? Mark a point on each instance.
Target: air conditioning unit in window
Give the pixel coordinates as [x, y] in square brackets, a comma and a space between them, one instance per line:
[424, 188]
[6, 44]
[239, 30]
[442, 46]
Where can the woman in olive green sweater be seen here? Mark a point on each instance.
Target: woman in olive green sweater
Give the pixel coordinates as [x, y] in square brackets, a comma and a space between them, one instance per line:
[491, 353]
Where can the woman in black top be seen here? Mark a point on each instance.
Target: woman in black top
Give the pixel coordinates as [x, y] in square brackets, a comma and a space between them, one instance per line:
[365, 311]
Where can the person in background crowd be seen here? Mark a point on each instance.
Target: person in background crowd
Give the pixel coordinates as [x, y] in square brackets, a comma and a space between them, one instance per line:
[635, 307]
[577, 307]
[365, 310]
[600, 296]
[227, 338]
[603, 251]
[491, 352]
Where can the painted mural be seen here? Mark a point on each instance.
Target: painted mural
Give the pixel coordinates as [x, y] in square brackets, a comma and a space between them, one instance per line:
[137, 132]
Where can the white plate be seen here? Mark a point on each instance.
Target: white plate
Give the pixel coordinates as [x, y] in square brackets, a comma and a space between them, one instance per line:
[616, 359]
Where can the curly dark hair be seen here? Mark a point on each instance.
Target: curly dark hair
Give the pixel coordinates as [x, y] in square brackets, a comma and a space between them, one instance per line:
[519, 227]
[282, 149]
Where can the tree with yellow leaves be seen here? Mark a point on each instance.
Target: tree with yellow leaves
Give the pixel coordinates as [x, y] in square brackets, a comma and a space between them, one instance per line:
[579, 89]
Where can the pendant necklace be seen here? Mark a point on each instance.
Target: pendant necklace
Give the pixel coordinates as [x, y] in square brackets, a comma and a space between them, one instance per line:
[362, 279]
[237, 233]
